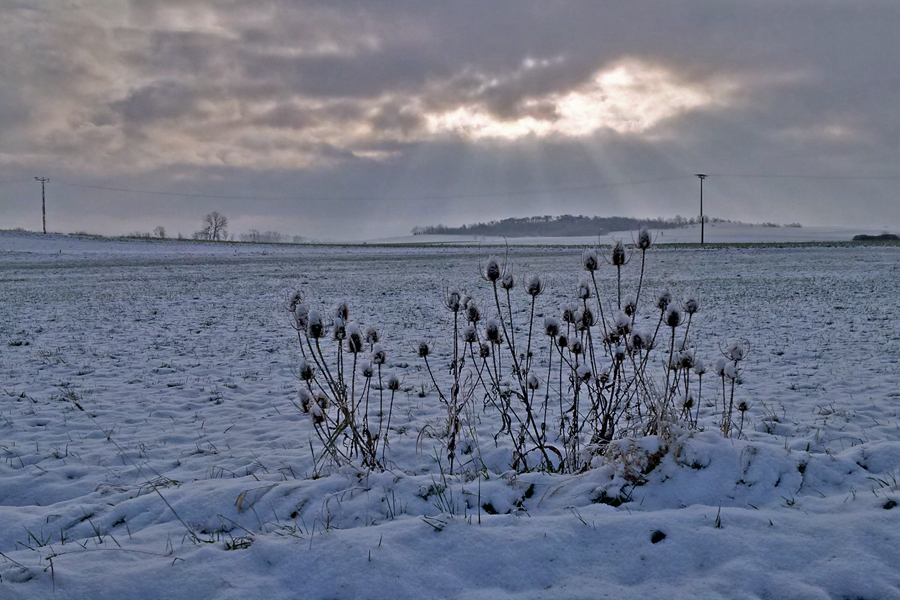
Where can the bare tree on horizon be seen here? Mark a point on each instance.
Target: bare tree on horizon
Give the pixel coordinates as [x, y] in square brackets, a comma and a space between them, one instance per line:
[214, 227]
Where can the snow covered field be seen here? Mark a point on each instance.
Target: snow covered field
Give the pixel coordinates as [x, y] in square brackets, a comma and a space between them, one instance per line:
[146, 390]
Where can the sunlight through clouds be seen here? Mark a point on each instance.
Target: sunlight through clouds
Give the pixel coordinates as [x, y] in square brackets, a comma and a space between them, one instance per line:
[630, 97]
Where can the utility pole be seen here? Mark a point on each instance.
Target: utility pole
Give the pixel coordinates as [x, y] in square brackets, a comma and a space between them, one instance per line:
[43, 180]
[701, 176]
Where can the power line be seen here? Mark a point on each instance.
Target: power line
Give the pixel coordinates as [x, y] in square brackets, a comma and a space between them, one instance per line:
[785, 176]
[415, 197]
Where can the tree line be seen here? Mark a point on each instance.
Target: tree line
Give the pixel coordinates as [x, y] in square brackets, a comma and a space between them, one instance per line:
[561, 226]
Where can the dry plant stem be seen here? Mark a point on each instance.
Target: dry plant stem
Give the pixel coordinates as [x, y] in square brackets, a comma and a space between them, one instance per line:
[600, 307]
[387, 430]
[637, 296]
[431, 374]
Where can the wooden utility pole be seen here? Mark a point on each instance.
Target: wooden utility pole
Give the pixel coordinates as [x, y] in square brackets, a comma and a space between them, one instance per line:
[701, 176]
[43, 180]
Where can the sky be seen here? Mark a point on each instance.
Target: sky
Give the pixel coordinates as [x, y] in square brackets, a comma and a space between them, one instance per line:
[362, 119]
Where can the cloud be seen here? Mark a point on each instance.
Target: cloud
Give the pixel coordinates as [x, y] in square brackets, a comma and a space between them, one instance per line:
[405, 98]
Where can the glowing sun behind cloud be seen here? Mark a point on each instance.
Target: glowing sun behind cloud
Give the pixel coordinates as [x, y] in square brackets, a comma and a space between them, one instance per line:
[629, 97]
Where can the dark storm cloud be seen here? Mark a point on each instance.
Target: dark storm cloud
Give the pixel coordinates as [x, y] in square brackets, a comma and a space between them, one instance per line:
[345, 100]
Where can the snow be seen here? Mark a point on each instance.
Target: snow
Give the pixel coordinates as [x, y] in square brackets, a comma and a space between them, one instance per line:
[143, 380]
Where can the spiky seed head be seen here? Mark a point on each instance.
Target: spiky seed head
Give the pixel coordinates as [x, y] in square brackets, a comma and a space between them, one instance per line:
[700, 367]
[639, 340]
[576, 347]
[687, 402]
[644, 240]
[304, 400]
[687, 358]
[322, 401]
[316, 414]
[617, 253]
[743, 407]
[629, 305]
[562, 341]
[621, 323]
[583, 372]
[492, 331]
[663, 300]
[367, 370]
[453, 300]
[551, 326]
[470, 334]
[584, 289]
[507, 281]
[731, 371]
[568, 313]
[673, 316]
[533, 382]
[378, 355]
[484, 350]
[589, 260]
[619, 352]
[339, 329]
[585, 318]
[423, 349]
[301, 316]
[691, 304]
[603, 375]
[534, 286]
[305, 370]
[393, 382]
[492, 270]
[354, 338]
[341, 310]
[293, 299]
[315, 327]
[371, 335]
[719, 366]
[473, 313]
[735, 351]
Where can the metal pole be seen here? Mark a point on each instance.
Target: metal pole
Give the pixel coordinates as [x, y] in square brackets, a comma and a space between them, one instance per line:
[43, 180]
[701, 176]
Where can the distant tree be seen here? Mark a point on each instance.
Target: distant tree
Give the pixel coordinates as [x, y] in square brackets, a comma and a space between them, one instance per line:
[214, 227]
[160, 232]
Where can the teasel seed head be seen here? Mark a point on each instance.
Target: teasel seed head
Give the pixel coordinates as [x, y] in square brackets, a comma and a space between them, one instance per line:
[551, 326]
[568, 313]
[305, 370]
[379, 356]
[691, 304]
[584, 289]
[576, 347]
[562, 341]
[393, 382]
[301, 317]
[663, 299]
[453, 300]
[293, 299]
[367, 370]
[492, 270]
[534, 286]
[371, 335]
[341, 310]
[470, 334]
[315, 327]
[589, 260]
[484, 350]
[423, 349]
[743, 407]
[305, 400]
[673, 317]
[644, 240]
[640, 341]
[339, 329]
[629, 305]
[621, 323]
[617, 253]
[533, 382]
[473, 313]
[583, 372]
[354, 338]
[492, 331]
[507, 281]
